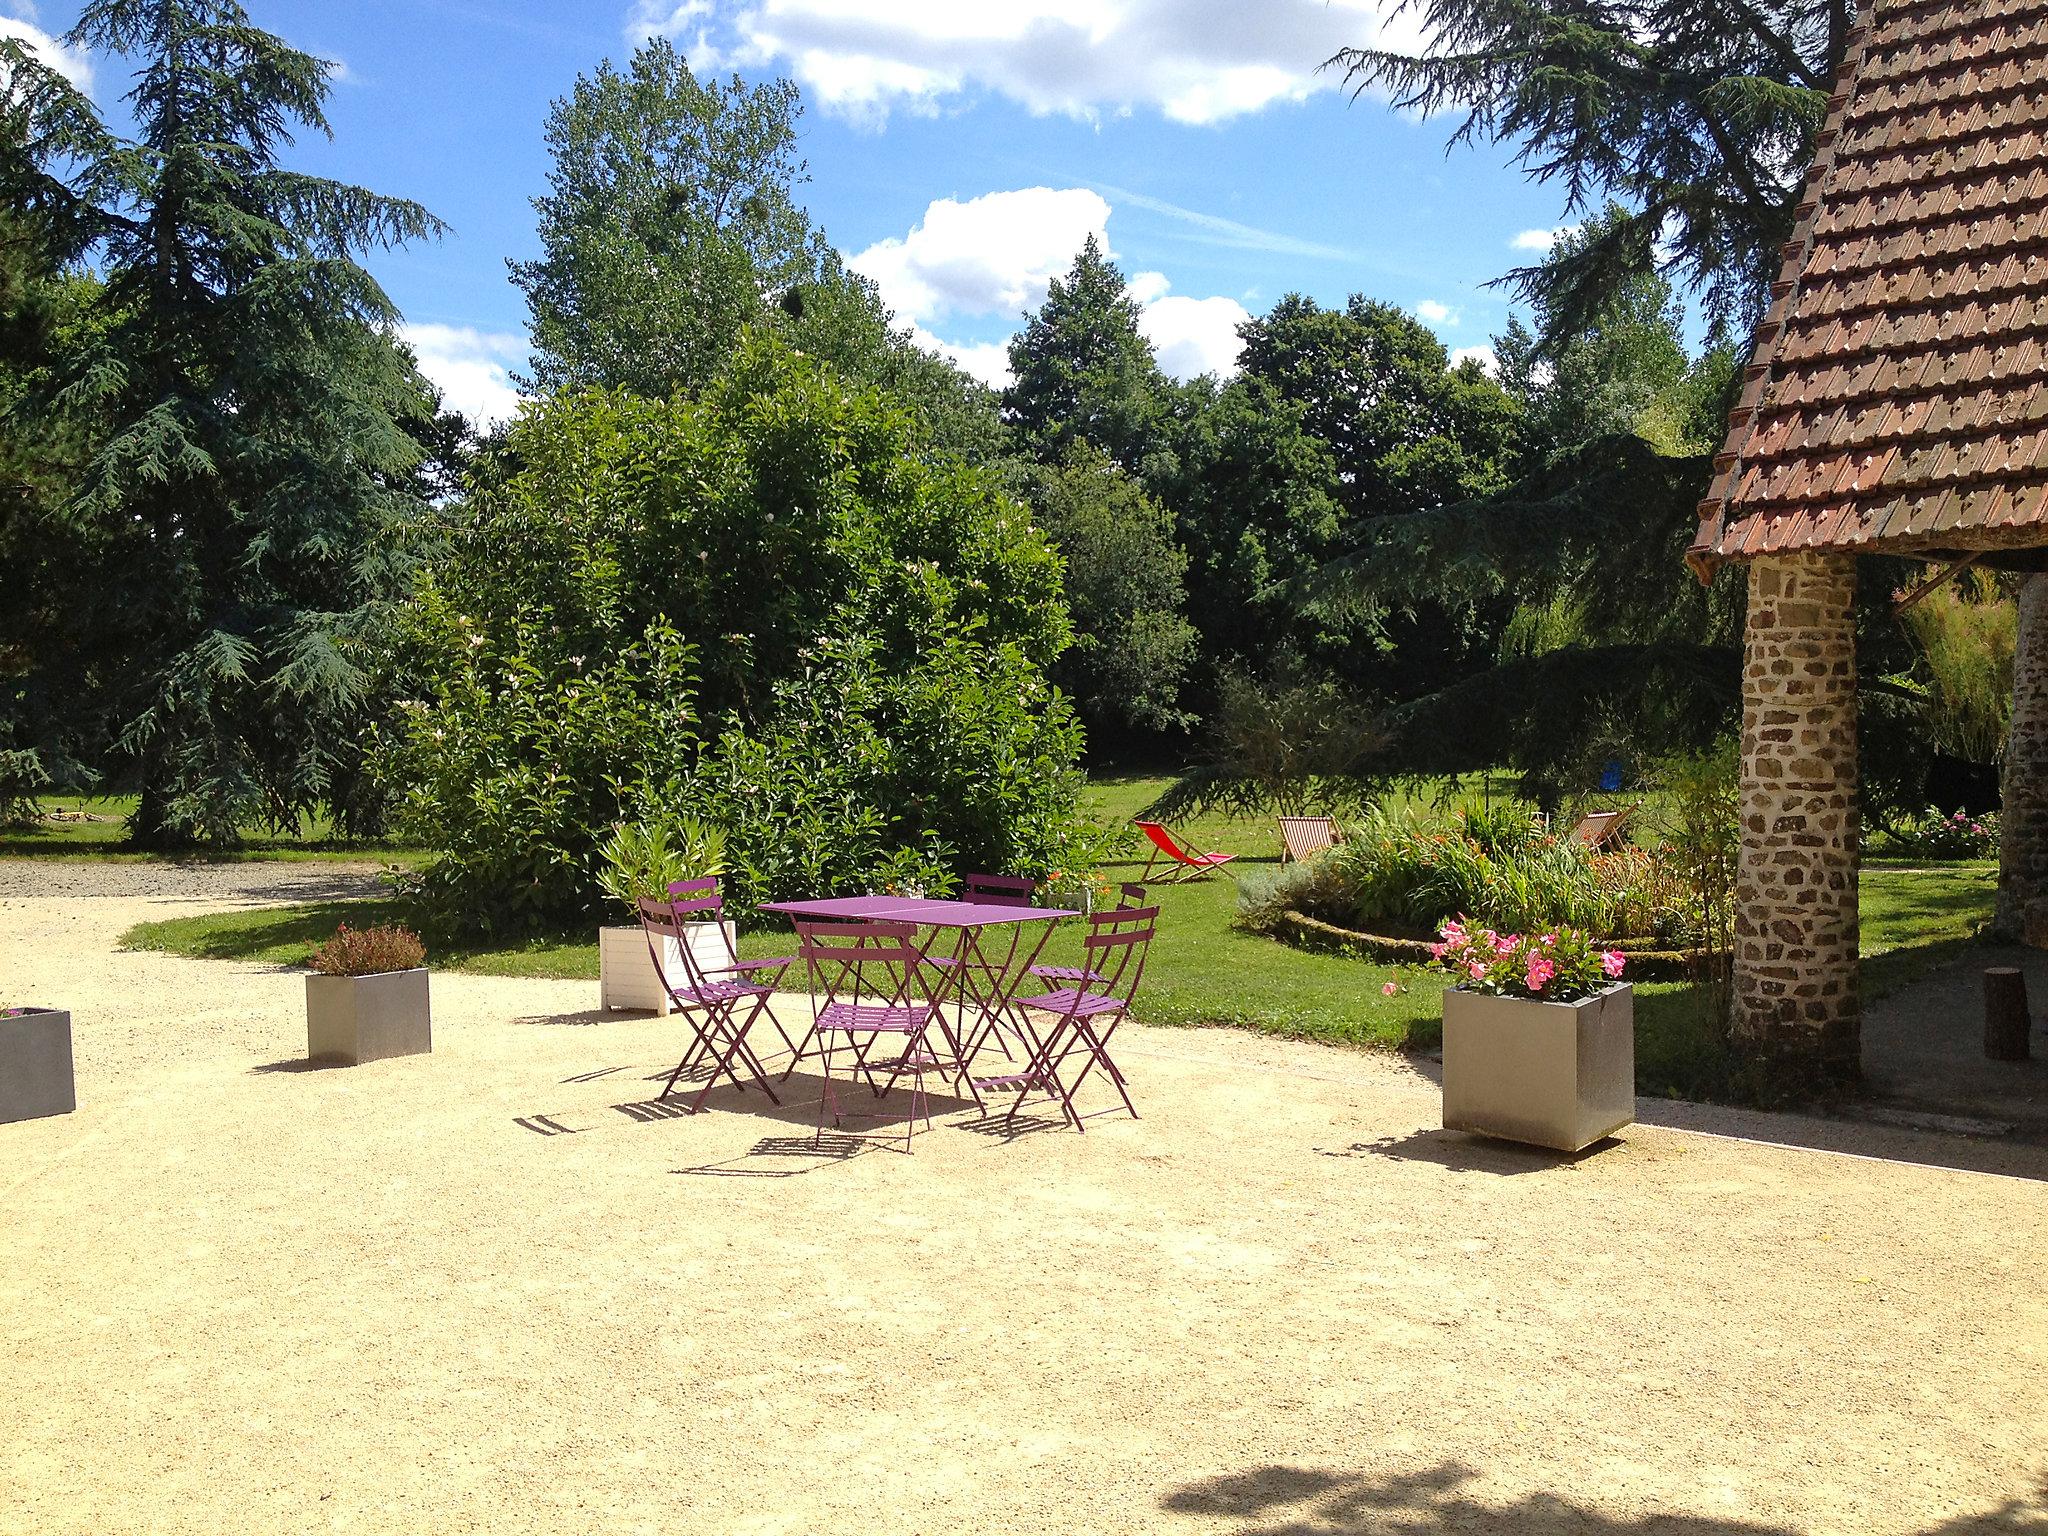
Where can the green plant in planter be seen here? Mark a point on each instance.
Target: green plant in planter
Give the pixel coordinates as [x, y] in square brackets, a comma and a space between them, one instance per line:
[643, 858]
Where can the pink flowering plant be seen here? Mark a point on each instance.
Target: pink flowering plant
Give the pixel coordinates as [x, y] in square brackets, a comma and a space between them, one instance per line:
[1558, 966]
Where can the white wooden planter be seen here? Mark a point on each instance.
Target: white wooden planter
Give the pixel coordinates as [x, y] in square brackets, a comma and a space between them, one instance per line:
[625, 969]
[354, 1019]
[35, 1065]
[1558, 1075]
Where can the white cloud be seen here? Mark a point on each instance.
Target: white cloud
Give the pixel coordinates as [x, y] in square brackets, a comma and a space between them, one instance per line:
[1433, 312]
[993, 254]
[471, 368]
[1541, 240]
[69, 63]
[1191, 337]
[1195, 61]
[1481, 355]
[997, 254]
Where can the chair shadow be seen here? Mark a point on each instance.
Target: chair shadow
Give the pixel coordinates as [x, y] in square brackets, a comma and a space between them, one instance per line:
[1463, 1152]
[301, 1064]
[584, 1017]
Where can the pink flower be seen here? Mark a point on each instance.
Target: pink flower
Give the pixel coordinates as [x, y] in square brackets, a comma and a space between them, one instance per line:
[1436, 951]
[1540, 970]
[1504, 944]
[1390, 989]
[1612, 962]
[1549, 940]
[1478, 971]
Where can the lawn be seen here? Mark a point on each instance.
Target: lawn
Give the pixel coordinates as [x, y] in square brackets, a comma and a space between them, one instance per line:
[105, 837]
[1204, 972]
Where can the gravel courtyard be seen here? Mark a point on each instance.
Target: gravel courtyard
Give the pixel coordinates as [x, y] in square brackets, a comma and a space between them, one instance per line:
[498, 1289]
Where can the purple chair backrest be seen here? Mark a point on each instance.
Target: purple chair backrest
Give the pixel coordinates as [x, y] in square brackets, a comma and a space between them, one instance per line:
[996, 890]
[691, 904]
[841, 957]
[1116, 946]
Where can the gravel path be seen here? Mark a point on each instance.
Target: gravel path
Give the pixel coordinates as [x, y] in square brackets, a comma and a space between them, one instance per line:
[497, 1289]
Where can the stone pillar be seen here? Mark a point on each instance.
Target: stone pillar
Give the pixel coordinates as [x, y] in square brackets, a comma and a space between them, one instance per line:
[2023, 813]
[1796, 1004]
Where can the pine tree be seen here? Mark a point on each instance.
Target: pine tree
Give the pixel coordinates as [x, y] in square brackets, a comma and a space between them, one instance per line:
[1697, 115]
[248, 500]
[1082, 371]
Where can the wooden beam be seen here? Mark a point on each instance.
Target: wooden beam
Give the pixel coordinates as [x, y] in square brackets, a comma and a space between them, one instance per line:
[1927, 589]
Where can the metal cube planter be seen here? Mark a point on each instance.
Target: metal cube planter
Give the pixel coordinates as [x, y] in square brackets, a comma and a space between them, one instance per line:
[1557, 1075]
[354, 1019]
[35, 1065]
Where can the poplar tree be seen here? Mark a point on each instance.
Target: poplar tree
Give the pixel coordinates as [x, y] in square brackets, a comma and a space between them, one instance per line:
[249, 493]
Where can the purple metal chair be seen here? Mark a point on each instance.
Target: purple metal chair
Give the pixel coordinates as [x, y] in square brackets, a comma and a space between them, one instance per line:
[1128, 895]
[721, 1003]
[706, 897]
[1085, 1017]
[866, 980]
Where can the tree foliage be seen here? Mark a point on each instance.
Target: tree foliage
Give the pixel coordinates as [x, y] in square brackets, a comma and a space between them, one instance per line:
[1697, 116]
[1124, 584]
[1082, 371]
[242, 503]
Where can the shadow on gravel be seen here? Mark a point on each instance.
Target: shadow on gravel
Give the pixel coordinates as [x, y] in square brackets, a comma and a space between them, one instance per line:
[1312, 1501]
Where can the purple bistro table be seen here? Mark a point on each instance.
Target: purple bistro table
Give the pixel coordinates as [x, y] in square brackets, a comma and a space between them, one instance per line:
[976, 981]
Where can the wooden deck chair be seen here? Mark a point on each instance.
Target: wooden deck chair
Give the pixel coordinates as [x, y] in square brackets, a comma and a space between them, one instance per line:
[1183, 861]
[1596, 829]
[1303, 837]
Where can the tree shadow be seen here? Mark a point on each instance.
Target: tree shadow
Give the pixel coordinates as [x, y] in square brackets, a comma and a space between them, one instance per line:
[1278, 1500]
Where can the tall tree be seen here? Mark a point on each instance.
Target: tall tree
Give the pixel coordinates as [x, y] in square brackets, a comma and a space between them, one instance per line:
[1082, 371]
[1697, 115]
[669, 223]
[1124, 585]
[248, 497]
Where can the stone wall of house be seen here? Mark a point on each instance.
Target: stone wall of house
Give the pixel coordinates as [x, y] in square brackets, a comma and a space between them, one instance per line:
[2023, 814]
[1795, 985]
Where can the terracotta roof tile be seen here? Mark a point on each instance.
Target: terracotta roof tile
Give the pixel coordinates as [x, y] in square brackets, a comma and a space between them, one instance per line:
[1898, 393]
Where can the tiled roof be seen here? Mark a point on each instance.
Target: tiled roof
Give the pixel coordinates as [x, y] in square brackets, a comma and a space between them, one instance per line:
[1898, 396]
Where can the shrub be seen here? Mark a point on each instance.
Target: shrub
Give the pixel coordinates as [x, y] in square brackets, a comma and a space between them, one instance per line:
[1288, 744]
[1933, 835]
[1406, 873]
[369, 951]
[863, 701]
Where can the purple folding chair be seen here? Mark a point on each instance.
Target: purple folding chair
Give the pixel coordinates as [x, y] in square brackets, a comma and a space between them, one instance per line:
[720, 1003]
[1128, 895]
[706, 897]
[1085, 1017]
[867, 982]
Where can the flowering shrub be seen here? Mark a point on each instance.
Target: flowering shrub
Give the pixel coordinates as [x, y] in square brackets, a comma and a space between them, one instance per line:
[1936, 836]
[369, 951]
[1560, 966]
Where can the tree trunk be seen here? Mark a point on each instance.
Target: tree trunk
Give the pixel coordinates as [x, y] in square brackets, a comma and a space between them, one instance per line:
[2023, 814]
[1796, 1006]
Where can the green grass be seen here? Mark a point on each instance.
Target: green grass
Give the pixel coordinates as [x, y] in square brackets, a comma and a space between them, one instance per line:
[107, 840]
[1204, 972]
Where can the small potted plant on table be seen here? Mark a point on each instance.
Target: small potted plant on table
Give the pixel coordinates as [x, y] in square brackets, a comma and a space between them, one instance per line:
[1539, 1037]
[641, 859]
[367, 997]
[35, 1064]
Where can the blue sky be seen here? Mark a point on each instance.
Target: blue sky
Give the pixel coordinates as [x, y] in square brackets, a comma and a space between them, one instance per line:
[958, 154]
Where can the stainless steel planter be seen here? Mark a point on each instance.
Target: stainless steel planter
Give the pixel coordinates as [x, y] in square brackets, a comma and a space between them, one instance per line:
[355, 1019]
[35, 1066]
[1558, 1075]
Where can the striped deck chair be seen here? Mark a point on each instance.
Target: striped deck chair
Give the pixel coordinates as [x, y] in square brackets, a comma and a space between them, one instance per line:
[1303, 837]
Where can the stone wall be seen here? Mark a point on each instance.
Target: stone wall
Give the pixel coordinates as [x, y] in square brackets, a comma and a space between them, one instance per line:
[2023, 815]
[1795, 985]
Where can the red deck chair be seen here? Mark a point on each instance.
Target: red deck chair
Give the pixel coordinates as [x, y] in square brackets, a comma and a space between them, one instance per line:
[1085, 1018]
[1192, 864]
[1128, 895]
[865, 981]
[720, 1002]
